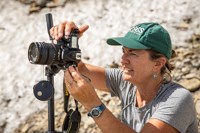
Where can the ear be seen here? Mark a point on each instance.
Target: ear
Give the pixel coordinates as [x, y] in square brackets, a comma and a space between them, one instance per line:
[160, 62]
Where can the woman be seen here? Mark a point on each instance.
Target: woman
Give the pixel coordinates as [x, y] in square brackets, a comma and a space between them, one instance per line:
[151, 102]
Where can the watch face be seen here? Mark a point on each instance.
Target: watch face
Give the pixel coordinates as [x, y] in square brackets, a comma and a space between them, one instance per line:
[95, 112]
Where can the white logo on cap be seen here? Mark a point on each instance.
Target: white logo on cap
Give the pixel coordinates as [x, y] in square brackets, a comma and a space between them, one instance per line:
[137, 30]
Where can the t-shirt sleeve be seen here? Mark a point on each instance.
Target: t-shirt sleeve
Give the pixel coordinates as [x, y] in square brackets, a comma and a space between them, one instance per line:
[176, 109]
[113, 81]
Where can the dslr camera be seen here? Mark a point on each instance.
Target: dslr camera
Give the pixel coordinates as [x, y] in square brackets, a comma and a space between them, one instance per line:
[63, 54]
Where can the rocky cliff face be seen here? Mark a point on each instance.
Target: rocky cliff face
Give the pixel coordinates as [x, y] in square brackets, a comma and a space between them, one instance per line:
[23, 22]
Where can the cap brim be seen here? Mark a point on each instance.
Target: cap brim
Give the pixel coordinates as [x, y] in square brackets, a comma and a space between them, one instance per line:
[127, 42]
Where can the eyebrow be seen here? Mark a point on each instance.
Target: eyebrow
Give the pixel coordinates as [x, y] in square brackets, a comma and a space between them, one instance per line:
[129, 50]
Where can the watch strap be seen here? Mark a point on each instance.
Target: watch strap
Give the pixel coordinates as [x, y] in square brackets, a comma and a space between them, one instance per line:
[98, 109]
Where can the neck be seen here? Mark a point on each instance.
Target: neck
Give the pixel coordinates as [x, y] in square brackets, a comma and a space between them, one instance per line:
[146, 92]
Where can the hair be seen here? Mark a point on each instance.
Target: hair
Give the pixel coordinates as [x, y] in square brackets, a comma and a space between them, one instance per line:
[168, 67]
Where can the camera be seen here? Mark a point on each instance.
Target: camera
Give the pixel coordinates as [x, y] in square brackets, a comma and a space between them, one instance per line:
[63, 54]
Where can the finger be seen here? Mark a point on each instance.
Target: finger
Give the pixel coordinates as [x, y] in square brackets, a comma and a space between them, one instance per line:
[86, 78]
[83, 28]
[71, 84]
[53, 31]
[68, 87]
[68, 77]
[75, 74]
[56, 32]
[61, 29]
[68, 27]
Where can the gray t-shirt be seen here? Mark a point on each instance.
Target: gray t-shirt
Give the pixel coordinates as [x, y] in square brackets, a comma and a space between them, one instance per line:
[173, 104]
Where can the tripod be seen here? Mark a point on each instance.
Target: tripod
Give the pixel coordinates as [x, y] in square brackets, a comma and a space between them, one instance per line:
[51, 126]
[44, 91]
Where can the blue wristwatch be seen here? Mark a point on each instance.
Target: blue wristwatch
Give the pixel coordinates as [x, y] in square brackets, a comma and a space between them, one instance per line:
[97, 111]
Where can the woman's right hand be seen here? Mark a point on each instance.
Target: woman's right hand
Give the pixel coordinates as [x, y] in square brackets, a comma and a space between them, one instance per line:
[64, 29]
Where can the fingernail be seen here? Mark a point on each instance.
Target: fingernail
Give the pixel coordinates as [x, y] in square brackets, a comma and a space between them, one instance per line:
[60, 34]
[56, 37]
[67, 33]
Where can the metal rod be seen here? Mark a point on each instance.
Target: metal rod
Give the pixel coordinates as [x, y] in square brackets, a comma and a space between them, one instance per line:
[51, 120]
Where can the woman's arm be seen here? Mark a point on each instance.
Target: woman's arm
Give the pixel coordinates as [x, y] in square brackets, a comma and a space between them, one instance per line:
[95, 74]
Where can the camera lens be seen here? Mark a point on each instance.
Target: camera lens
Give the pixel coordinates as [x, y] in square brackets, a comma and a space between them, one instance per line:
[33, 53]
[43, 53]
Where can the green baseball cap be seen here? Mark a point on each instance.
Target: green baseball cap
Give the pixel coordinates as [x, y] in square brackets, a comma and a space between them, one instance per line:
[146, 36]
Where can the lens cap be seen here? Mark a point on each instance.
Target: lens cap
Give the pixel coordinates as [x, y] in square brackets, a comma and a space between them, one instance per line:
[43, 90]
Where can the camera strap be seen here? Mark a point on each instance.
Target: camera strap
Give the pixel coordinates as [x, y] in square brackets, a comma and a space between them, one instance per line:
[72, 119]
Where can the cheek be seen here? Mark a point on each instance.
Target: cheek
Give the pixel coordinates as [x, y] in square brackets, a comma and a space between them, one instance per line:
[146, 70]
[142, 68]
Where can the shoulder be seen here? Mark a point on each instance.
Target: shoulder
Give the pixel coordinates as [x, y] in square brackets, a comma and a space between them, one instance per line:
[173, 96]
[174, 90]
[175, 106]
[113, 71]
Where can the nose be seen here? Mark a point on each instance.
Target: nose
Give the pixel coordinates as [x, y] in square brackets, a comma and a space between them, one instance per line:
[124, 59]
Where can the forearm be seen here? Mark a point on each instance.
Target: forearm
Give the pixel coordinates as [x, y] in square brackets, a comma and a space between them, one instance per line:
[95, 74]
[83, 69]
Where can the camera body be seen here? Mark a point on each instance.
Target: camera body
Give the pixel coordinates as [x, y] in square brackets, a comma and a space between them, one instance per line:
[63, 54]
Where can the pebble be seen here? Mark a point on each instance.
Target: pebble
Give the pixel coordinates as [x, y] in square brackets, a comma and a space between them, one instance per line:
[192, 84]
[185, 70]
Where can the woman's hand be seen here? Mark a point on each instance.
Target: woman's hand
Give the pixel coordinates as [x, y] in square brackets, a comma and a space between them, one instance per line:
[81, 88]
[64, 29]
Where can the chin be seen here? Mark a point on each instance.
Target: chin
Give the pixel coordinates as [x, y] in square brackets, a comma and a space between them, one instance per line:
[127, 77]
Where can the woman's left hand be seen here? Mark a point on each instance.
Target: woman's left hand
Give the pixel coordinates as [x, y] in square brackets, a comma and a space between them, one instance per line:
[81, 88]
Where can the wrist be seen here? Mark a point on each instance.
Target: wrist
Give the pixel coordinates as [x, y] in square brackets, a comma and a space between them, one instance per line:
[97, 111]
[88, 107]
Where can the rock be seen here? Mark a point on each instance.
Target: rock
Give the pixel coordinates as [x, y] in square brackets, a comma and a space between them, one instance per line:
[196, 96]
[185, 70]
[56, 3]
[25, 128]
[26, 1]
[176, 74]
[34, 9]
[196, 37]
[182, 26]
[114, 65]
[179, 64]
[195, 63]
[197, 107]
[190, 75]
[192, 84]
